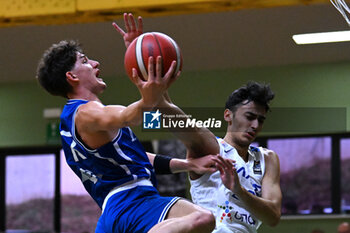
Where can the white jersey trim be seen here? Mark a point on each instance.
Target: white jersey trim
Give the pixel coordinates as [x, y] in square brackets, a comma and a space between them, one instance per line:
[65, 133]
[167, 208]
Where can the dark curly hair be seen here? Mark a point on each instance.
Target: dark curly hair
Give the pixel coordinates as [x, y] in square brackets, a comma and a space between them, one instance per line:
[253, 91]
[55, 62]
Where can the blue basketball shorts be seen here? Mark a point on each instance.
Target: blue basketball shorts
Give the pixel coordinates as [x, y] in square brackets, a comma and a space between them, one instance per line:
[134, 210]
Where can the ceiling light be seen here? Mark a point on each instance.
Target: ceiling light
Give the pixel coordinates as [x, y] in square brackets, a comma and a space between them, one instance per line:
[322, 37]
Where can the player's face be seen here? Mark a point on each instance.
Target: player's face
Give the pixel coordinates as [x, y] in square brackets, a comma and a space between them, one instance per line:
[87, 71]
[246, 123]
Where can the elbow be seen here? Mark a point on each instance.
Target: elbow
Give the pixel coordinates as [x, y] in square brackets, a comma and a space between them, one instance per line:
[275, 219]
[111, 123]
[131, 123]
[274, 222]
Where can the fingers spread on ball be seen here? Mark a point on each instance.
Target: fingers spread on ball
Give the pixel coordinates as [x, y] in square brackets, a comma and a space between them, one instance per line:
[151, 68]
[159, 67]
[153, 44]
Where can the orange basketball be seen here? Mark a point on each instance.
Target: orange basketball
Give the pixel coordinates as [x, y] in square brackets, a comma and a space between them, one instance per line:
[152, 44]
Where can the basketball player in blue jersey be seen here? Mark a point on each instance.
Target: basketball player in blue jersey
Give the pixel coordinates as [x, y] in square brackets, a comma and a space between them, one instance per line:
[246, 193]
[106, 155]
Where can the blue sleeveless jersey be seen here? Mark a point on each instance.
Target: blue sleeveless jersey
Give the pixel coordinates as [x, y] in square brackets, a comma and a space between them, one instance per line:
[115, 163]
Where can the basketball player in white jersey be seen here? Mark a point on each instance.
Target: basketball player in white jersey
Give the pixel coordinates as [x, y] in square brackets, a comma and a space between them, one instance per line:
[246, 193]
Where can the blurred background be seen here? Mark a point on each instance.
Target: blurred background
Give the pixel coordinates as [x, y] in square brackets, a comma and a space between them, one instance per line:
[225, 44]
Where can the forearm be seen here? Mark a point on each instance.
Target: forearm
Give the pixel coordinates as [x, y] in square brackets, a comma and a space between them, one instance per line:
[179, 165]
[198, 141]
[167, 165]
[166, 98]
[268, 211]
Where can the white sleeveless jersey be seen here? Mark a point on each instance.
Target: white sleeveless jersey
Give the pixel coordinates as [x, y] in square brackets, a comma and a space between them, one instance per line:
[209, 192]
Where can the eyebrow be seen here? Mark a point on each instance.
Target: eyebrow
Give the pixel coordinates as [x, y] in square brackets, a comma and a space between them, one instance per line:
[256, 115]
[82, 56]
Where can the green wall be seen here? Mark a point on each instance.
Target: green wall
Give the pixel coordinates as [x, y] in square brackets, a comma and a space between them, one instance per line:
[314, 85]
[21, 106]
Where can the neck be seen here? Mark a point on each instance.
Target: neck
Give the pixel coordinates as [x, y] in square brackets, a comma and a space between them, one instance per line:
[86, 96]
[241, 149]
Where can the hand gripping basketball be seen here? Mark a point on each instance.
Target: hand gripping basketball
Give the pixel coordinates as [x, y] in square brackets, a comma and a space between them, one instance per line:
[152, 44]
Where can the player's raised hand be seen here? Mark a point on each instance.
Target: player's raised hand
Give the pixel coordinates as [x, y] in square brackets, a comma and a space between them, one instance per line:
[228, 174]
[205, 164]
[153, 90]
[168, 78]
[132, 30]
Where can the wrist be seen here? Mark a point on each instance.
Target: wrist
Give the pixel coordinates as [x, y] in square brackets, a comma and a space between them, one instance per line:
[179, 165]
[187, 165]
[147, 105]
[163, 103]
[161, 164]
[239, 191]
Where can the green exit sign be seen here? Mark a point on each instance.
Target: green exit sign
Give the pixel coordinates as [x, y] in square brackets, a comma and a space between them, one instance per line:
[53, 132]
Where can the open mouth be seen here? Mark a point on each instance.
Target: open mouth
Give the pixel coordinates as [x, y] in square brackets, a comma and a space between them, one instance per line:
[97, 73]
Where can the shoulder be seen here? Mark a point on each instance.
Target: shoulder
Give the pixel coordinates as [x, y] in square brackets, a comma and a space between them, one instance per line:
[271, 157]
[90, 106]
[88, 111]
[95, 109]
[268, 153]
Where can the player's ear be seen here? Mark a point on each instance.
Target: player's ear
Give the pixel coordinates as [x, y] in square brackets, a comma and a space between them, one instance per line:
[71, 78]
[228, 115]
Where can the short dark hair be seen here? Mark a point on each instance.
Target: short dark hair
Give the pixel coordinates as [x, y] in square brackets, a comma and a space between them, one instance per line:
[253, 91]
[55, 62]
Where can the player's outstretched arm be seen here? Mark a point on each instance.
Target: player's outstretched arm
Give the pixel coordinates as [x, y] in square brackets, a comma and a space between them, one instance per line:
[133, 29]
[202, 165]
[198, 141]
[267, 208]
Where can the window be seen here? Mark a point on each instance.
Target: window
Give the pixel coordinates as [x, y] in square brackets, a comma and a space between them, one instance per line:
[345, 174]
[29, 191]
[79, 212]
[305, 165]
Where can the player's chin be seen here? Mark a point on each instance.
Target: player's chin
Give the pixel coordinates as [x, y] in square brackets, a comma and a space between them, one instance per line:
[101, 82]
[101, 87]
[247, 139]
